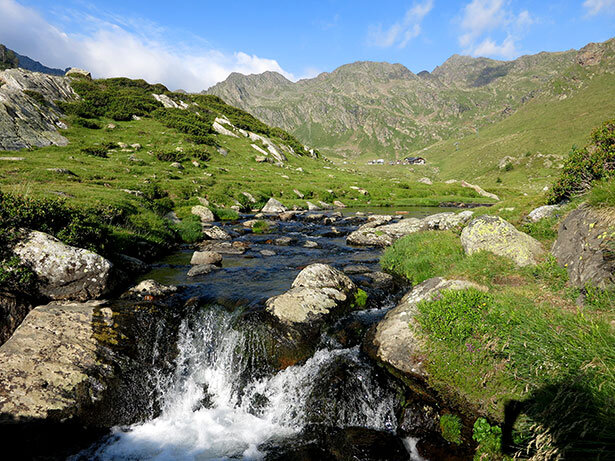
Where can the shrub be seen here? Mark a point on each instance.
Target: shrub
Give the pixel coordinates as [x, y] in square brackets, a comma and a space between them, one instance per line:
[450, 426]
[261, 227]
[85, 123]
[224, 214]
[185, 121]
[360, 299]
[171, 156]
[488, 437]
[594, 162]
[96, 151]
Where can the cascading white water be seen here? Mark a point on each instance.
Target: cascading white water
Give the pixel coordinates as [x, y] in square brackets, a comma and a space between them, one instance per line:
[210, 411]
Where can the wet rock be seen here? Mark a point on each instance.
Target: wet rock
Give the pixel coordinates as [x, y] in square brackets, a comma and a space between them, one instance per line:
[585, 245]
[152, 288]
[215, 233]
[284, 241]
[396, 342]
[267, 253]
[201, 269]
[419, 419]
[542, 212]
[316, 292]
[227, 248]
[251, 222]
[311, 244]
[132, 265]
[274, 206]
[64, 271]
[494, 234]
[356, 269]
[205, 257]
[315, 217]
[204, 213]
[287, 215]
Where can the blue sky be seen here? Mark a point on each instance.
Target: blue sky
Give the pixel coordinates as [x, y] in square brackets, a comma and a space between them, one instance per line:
[194, 44]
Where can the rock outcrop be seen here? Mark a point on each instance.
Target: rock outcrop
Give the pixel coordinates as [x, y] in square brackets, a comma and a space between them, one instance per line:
[396, 341]
[494, 234]
[585, 245]
[24, 121]
[64, 271]
[318, 291]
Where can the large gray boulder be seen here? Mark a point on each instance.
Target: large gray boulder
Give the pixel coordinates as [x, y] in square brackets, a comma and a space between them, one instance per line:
[585, 245]
[205, 257]
[204, 213]
[215, 233]
[498, 236]
[64, 271]
[542, 212]
[85, 363]
[397, 342]
[274, 206]
[318, 291]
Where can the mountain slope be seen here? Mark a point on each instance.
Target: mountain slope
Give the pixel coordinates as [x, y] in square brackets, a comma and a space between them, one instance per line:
[9, 59]
[371, 109]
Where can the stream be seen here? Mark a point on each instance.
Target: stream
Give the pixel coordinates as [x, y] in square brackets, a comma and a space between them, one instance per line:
[224, 401]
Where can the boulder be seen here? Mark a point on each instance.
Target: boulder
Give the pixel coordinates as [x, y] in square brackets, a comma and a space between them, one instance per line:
[385, 235]
[312, 207]
[204, 213]
[585, 245]
[298, 193]
[284, 241]
[215, 233]
[205, 257]
[542, 212]
[274, 206]
[83, 365]
[152, 288]
[318, 290]
[310, 244]
[267, 253]
[76, 72]
[427, 181]
[64, 271]
[396, 341]
[201, 269]
[339, 204]
[494, 234]
[446, 221]
[222, 130]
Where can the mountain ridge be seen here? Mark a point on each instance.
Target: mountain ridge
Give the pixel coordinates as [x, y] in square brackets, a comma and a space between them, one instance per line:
[384, 109]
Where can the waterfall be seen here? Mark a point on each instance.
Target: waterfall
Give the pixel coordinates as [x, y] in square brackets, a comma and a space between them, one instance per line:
[216, 406]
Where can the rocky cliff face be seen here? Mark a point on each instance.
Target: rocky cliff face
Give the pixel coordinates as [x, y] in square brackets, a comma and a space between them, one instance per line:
[27, 120]
[385, 108]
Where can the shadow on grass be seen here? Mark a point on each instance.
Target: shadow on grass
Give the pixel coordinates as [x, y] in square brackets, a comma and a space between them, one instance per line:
[566, 420]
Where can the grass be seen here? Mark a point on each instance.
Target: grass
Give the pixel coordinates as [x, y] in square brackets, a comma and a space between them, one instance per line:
[523, 341]
[450, 426]
[602, 194]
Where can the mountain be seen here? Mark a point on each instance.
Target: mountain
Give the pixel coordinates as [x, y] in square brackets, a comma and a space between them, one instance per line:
[368, 108]
[9, 59]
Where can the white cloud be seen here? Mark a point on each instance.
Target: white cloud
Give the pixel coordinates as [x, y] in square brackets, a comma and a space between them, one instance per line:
[112, 49]
[401, 32]
[482, 18]
[594, 7]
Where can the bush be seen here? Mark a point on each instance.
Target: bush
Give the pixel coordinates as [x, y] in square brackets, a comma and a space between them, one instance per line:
[171, 156]
[450, 426]
[594, 162]
[488, 437]
[96, 151]
[85, 123]
[185, 121]
[261, 227]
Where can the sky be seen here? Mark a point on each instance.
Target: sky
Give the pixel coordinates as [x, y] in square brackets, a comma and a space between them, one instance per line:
[194, 44]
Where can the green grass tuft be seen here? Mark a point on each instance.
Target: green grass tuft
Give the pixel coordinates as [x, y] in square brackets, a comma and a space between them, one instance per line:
[450, 426]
